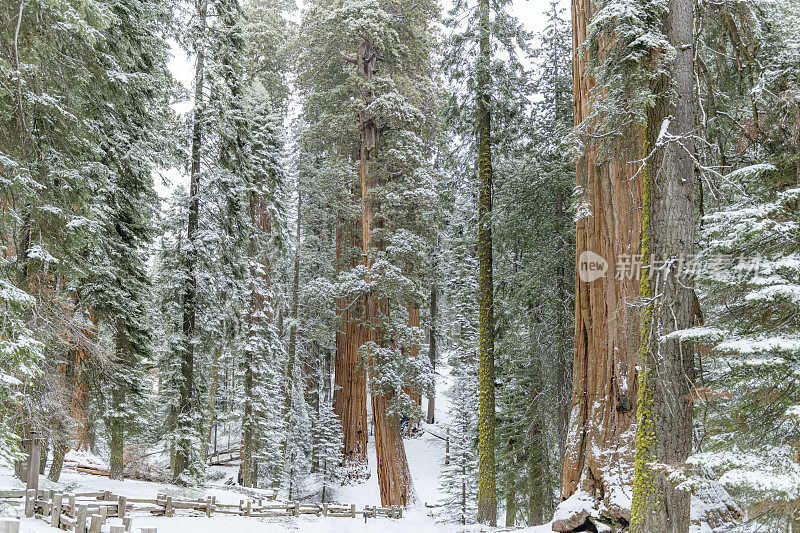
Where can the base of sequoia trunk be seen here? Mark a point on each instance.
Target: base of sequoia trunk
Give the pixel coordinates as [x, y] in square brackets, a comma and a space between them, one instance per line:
[713, 509]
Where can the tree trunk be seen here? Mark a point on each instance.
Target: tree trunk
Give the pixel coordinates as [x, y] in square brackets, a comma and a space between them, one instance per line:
[79, 405]
[394, 476]
[211, 407]
[247, 470]
[295, 282]
[432, 353]
[60, 447]
[413, 393]
[183, 443]
[598, 459]
[260, 222]
[350, 376]
[564, 339]
[117, 430]
[487, 485]
[511, 507]
[665, 412]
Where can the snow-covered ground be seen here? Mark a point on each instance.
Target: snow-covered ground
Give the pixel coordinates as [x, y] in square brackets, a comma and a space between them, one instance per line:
[425, 457]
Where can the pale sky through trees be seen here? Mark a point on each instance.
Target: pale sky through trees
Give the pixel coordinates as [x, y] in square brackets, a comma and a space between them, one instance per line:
[531, 13]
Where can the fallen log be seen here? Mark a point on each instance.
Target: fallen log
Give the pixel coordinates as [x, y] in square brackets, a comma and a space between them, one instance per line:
[86, 469]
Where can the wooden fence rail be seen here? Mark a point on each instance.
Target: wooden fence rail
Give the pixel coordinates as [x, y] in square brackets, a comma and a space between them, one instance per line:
[87, 512]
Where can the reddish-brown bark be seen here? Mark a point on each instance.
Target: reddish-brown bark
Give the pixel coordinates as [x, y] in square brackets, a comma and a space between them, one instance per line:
[394, 476]
[598, 459]
[350, 377]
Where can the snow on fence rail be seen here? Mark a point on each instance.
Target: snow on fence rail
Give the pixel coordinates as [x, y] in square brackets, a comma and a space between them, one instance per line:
[87, 512]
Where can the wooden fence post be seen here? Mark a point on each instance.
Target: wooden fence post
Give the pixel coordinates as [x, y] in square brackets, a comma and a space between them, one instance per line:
[55, 510]
[9, 525]
[34, 461]
[169, 511]
[208, 506]
[80, 519]
[96, 523]
[121, 506]
[30, 501]
[353, 510]
[126, 523]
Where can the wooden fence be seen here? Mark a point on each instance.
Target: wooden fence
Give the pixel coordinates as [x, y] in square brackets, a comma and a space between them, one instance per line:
[87, 512]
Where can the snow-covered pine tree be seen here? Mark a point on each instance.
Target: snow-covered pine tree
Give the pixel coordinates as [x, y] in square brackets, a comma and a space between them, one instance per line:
[459, 341]
[327, 432]
[187, 416]
[133, 143]
[264, 354]
[748, 268]
[299, 442]
[19, 364]
[459, 477]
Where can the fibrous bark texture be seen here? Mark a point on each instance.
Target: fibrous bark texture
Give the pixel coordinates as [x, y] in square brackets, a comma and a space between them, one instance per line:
[487, 484]
[350, 376]
[394, 476]
[664, 432]
[598, 461]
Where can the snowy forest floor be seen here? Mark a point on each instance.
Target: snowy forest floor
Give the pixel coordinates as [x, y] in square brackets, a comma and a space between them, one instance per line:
[425, 453]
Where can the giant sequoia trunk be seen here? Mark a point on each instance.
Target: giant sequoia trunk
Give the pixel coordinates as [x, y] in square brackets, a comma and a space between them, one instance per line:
[664, 432]
[598, 461]
[394, 476]
[350, 376]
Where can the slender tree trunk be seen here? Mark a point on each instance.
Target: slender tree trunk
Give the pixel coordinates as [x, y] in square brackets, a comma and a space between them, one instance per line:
[247, 471]
[117, 430]
[295, 283]
[432, 352]
[598, 460]
[79, 405]
[261, 222]
[60, 447]
[564, 343]
[487, 485]
[664, 431]
[186, 385]
[511, 507]
[211, 407]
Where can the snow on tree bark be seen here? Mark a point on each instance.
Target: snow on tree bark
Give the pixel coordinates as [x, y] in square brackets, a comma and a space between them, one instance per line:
[487, 485]
[665, 411]
[598, 462]
[350, 376]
